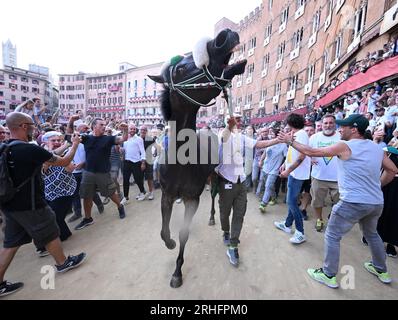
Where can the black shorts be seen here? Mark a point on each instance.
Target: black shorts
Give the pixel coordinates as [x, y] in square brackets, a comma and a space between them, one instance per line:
[306, 186]
[148, 173]
[23, 226]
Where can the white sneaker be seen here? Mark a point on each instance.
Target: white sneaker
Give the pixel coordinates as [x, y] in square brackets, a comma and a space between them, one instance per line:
[179, 200]
[207, 187]
[150, 196]
[124, 201]
[141, 197]
[281, 226]
[298, 238]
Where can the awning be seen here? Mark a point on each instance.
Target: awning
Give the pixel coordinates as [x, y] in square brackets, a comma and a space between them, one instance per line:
[278, 117]
[378, 72]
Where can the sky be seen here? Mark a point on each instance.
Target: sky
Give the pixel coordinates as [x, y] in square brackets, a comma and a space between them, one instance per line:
[96, 35]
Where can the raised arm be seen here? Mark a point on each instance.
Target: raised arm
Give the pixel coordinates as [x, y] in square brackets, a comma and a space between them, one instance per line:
[70, 127]
[125, 136]
[339, 149]
[66, 159]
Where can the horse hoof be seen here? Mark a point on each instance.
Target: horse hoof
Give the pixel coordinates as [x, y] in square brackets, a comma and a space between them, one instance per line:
[171, 244]
[176, 282]
[212, 222]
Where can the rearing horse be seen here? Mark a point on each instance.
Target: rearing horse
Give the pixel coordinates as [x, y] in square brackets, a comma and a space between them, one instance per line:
[190, 82]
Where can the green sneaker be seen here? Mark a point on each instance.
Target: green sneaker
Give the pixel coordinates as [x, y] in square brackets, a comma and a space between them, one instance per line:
[320, 276]
[272, 202]
[262, 207]
[383, 276]
[319, 225]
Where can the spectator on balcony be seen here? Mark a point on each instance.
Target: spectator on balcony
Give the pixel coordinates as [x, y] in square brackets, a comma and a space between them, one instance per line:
[373, 97]
[351, 106]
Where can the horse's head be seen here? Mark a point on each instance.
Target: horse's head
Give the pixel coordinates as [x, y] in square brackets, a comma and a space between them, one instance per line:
[194, 80]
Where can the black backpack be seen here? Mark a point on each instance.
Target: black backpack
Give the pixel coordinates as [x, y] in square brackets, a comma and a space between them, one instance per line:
[7, 187]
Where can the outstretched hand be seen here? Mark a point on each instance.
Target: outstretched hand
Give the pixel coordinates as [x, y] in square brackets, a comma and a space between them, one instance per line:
[285, 137]
[231, 123]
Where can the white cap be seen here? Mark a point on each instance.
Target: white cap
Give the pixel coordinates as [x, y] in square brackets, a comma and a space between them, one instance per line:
[50, 134]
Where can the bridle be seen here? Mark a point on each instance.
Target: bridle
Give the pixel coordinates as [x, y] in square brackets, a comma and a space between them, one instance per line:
[189, 84]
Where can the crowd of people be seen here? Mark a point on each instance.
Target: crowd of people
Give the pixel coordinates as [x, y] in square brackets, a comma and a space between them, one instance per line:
[347, 152]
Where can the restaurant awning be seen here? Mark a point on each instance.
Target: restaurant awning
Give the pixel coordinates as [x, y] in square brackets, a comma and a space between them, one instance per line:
[378, 72]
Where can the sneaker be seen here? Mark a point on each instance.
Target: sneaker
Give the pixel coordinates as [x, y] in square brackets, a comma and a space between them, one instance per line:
[141, 197]
[207, 187]
[320, 276]
[226, 238]
[71, 262]
[319, 225]
[363, 240]
[84, 223]
[262, 207]
[383, 276]
[124, 201]
[233, 256]
[106, 201]
[304, 214]
[74, 218]
[150, 196]
[282, 226]
[7, 288]
[390, 250]
[179, 200]
[101, 209]
[122, 213]
[272, 202]
[298, 238]
[42, 252]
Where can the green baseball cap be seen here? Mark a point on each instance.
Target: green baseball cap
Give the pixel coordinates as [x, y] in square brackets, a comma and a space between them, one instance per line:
[354, 120]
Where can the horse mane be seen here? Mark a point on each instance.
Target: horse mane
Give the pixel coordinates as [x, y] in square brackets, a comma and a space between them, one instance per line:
[165, 104]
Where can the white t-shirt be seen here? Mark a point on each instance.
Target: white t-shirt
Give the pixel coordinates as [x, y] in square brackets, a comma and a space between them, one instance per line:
[302, 172]
[326, 167]
[134, 149]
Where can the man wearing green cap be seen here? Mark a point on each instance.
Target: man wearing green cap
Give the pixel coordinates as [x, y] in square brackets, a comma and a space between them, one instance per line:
[361, 198]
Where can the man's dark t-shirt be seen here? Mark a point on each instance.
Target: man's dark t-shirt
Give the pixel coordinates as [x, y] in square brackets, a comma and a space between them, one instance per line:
[98, 152]
[23, 161]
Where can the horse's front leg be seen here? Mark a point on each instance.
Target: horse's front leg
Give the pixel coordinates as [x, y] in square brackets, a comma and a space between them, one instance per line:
[167, 207]
[190, 209]
[212, 220]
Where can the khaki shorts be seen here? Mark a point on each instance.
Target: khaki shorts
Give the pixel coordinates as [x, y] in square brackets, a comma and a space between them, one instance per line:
[93, 182]
[320, 190]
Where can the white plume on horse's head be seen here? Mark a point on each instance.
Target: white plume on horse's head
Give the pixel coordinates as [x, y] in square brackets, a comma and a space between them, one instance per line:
[200, 54]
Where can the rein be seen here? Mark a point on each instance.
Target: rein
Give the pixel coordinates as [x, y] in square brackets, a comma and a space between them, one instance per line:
[213, 82]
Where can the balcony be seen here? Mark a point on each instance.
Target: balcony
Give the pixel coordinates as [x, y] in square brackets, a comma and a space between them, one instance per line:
[275, 99]
[237, 109]
[267, 41]
[282, 27]
[264, 73]
[261, 104]
[328, 22]
[299, 12]
[250, 52]
[238, 84]
[308, 87]
[354, 43]
[322, 79]
[291, 94]
[279, 64]
[249, 80]
[295, 53]
[312, 40]
[247, 107]
[334, 64]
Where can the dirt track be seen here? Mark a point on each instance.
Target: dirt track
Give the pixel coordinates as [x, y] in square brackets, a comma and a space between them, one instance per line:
[128, 260]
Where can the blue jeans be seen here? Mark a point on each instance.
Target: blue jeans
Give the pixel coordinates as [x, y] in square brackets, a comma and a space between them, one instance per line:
[294, 213]
[270, 180]
[344, 216]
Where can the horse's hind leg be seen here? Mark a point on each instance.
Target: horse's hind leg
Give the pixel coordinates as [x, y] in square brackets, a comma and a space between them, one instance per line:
[190, 209]
[214, 191]
[167, 207]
